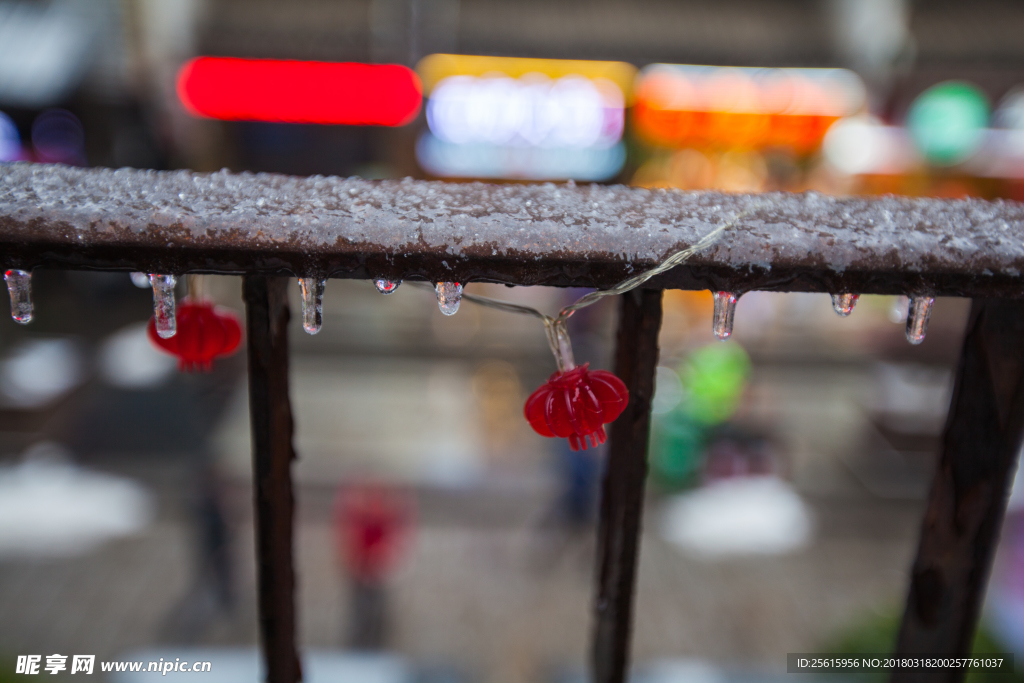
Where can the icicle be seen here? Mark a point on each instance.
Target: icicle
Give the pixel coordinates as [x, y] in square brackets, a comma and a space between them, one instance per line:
[725, 311]
[19, 285]
[163, 304]
[386, 286]
[140, 280]
[917, 318]
[449, 296]
[843, 303]
[312, 303]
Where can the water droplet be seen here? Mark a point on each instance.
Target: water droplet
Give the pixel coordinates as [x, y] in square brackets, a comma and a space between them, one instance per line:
[386, 286]
[918, 313]
[449, 296]
[140, 280]
[19, 285]
[844, 303]
[163, 304]
[312, 303]
[725, 311]
[898, 310]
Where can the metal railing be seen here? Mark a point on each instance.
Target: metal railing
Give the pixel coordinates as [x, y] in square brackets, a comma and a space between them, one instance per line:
[267, 226]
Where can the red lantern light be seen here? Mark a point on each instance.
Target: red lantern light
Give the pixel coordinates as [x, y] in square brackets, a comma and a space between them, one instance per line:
[291, 91]
[204, 333]
[576, 404]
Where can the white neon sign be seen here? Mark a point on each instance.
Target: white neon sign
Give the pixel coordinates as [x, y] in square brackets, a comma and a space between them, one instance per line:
[531, 111]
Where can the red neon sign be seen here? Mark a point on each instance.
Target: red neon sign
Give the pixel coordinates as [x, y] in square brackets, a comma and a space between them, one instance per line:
[290, 91]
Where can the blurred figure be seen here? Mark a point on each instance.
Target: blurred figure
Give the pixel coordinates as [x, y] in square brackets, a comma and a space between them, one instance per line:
[579, 474]
[372, 525]
[215, 565]
[212, 593]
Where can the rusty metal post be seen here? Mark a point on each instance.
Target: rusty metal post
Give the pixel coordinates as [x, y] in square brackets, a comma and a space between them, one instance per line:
[266, 305]
[622, 495]
[969, 492]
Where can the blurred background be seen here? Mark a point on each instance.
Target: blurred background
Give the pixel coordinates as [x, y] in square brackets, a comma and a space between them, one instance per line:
[438, 537]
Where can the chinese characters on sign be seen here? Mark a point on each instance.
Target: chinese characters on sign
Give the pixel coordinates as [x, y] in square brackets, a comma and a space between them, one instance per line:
[30, 664]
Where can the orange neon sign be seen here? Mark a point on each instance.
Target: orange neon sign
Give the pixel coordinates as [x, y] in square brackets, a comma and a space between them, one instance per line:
[742, 108]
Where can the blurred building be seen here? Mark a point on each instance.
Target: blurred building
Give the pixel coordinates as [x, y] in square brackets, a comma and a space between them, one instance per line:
[843, 408]
[116, 64]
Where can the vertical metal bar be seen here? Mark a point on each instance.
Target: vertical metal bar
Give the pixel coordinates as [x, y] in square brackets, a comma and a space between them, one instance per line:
[622, 495]
[266, 305]
[970, 489]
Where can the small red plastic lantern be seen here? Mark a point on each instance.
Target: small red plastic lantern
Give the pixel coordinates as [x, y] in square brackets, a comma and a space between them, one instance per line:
[204, 333]
[576, 404]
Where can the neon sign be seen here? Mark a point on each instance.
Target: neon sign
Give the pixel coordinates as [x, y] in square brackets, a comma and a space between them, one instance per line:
[494, 117]
[742, 108]
[291, 91]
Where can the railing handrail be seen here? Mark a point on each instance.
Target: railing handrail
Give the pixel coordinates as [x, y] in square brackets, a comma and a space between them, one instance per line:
[542, 234]
[266, 225]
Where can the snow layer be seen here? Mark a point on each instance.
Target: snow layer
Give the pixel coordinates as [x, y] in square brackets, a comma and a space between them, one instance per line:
[631, 227]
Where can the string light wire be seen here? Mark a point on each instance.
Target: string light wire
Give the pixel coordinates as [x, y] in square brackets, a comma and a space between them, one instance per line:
[558, 335]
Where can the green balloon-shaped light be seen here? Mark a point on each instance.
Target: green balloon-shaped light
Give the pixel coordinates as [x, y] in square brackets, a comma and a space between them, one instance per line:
[947, 122]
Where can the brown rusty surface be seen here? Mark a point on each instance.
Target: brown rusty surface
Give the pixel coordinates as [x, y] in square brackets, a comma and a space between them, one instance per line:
[56, 216]
[270, 415]
[969, 492]
[622, 489]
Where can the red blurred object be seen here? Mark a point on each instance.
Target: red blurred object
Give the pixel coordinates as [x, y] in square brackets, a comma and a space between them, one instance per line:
[372, 524]
[576, 404]
[204, 333]
[291, 91]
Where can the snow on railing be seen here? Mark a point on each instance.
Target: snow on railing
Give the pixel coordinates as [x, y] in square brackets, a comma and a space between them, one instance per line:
[547, 234]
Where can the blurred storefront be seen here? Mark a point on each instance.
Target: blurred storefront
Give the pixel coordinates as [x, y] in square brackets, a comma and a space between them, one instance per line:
[829, 423]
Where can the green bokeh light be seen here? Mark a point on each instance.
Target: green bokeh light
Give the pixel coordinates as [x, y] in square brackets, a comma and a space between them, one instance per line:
[713, 379]
[947, 122]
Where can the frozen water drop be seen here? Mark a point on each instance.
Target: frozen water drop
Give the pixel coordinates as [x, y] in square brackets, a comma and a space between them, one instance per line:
[386, 286]
[163, 304]
[725, 311]
[449, 296]
[918, 313]
[312, 303]
[140, 280]
[19, 285]
[844, 303]
[898, 310]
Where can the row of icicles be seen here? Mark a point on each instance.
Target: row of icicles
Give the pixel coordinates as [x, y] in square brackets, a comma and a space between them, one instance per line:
[918, 313]
[449, 296]
[575, 403]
